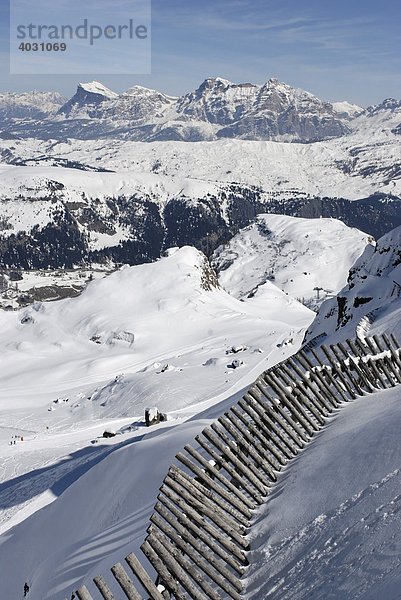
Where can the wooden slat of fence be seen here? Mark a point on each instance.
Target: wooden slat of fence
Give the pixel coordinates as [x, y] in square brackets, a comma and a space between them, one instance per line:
[371, 364]
[143, 577]
[227, 466]
[282, 418]
[243, 443]
[239, 467]
[191, 513]
[390, 364]
[207, 538]
[394, 354]
[354, 364]
[328, 372]
[236, 498]
[180, 567]
[395, 341]
[305, 396]
[346, 369]
[299, 390]
[375, 367]
[380, 363]
[215, 516]
[233, 583]
[337, 369]
[275, 457]
[273, 420]
[158, 564]
[196, 555]
[243, 457]
[125, 582]
[177, 476]
[316, 382]
[252, 408]
[362, 364]
[287, 401]
[271, 455]
[318, 378]
[207, 493]
[306, 420]
[103, 588]
[319, 405]
[253, 439]
[83, 594]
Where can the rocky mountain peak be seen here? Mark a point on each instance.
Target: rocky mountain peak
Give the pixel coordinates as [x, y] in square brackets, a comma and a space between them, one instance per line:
[89, 96]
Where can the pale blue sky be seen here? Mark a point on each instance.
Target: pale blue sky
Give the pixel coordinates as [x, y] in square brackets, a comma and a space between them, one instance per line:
[337, 50]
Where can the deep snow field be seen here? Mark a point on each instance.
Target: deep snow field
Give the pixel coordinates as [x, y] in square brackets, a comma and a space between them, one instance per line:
[74, 503]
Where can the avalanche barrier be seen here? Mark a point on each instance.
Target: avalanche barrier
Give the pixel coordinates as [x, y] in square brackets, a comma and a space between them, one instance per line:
[196, 541]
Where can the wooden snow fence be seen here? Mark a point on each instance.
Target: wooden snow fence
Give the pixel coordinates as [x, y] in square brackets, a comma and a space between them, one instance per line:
[196, 541]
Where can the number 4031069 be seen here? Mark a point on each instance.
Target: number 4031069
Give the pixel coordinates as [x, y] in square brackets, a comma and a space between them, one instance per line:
[42, 47]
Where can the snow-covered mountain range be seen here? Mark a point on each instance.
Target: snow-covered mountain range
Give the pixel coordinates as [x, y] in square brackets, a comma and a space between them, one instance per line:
[217, 109]
[77, 188]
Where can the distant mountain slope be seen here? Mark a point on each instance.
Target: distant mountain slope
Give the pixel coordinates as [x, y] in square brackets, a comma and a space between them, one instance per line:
[306, 258]
[29, 105]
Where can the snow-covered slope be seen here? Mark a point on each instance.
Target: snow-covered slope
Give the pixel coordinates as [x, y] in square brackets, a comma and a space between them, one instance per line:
[372, 293]
[331, 527]
[347, 110]
[297, 255]
[124, 321]
[163, 334]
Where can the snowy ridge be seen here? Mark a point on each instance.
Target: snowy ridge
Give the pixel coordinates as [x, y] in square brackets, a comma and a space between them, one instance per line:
[94, 87]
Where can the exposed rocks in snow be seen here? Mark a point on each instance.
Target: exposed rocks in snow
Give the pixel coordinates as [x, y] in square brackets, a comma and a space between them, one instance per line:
[109, 433]
[236, 363]
[153, 416]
